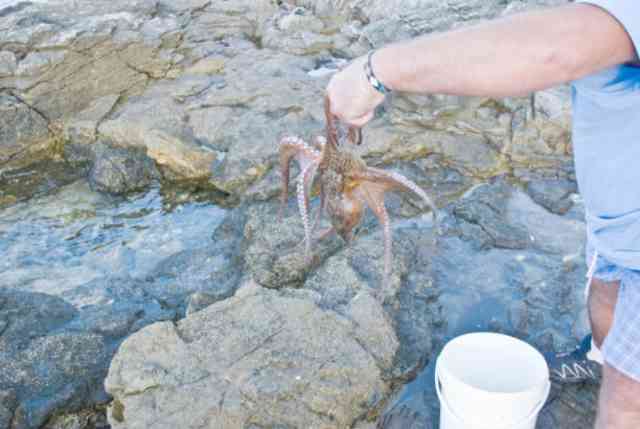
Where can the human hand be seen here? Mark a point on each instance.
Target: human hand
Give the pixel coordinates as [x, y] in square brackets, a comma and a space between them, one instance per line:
[353, 99]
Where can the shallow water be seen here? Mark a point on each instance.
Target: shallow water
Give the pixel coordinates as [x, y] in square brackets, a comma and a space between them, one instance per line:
[59, 241]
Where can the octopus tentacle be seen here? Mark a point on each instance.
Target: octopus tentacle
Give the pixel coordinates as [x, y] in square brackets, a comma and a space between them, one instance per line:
[373, 196]
[293, 147]
[303, 189]
[390, 180]
[323, 203]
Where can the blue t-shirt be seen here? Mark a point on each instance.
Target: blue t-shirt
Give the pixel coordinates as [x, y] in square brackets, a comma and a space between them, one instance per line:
[606, 142]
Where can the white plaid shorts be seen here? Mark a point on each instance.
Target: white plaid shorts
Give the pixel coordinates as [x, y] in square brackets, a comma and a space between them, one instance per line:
[621, 347]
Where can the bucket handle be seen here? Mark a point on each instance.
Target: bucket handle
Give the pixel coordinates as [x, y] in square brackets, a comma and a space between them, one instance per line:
[443, 401]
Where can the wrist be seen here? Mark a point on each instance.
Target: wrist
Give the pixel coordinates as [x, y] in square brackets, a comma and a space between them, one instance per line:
[371, 73]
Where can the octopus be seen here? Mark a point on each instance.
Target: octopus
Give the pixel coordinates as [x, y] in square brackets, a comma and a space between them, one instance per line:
[347, 185]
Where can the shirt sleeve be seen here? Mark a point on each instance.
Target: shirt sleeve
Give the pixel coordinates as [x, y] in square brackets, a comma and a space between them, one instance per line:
[627, 12]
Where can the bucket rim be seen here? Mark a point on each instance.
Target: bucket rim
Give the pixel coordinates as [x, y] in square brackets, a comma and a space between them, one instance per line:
[445, 404]
[541, 363]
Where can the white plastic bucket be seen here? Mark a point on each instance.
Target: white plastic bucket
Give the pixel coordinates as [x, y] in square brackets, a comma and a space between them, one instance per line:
[490, 381]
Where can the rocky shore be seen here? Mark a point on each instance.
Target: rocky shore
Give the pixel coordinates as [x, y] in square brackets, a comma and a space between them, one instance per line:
[145, 279]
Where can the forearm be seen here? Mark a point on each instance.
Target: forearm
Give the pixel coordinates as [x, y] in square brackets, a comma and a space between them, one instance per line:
[511, 56]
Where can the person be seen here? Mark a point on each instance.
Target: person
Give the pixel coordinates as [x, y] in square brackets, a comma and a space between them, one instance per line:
[594, 45]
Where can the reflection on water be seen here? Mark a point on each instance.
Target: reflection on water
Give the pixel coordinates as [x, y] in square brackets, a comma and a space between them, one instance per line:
[59, 241]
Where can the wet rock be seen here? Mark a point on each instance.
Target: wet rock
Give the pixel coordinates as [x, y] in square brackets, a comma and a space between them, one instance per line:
[569, 406]
[442, 183]
[263, 370]
[75, 366]
[28, 316]
[37, 179]
[485, 209]
[42, 369]
[213, 271]
[118, 170]
[548, 232]
[554, 195]
[54, 372]
[409, 414]
[114, 307]
[7, 407]
[531, 288]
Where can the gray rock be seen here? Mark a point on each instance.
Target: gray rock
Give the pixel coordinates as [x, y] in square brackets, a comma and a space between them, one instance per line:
[159, 123]
[82, 128]
[118, 170]
[21, 128]
[274, 254]
[569, 406]
[413, 413]
[485, 208]
[57, 371]
[29, 316]
[8, 63]
[212, 270]
[548, 232]
[277, 360]
[114, 307]
[54, 353]
[296, 30]
[37, 62]
[554, 195]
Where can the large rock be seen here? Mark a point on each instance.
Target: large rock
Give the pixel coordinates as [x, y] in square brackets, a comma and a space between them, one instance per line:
[339, 273]
[261, 358]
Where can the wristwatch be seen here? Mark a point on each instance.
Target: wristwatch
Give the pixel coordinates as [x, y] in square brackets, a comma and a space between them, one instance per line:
[371, 77]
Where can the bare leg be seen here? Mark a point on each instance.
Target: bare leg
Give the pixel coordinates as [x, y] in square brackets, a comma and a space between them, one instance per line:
[602, 303]
[619, 401]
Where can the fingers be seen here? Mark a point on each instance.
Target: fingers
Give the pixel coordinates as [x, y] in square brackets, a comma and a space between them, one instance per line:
[361, 121]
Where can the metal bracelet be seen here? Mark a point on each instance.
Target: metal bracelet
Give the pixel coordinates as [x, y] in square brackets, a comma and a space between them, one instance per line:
[371, 77]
